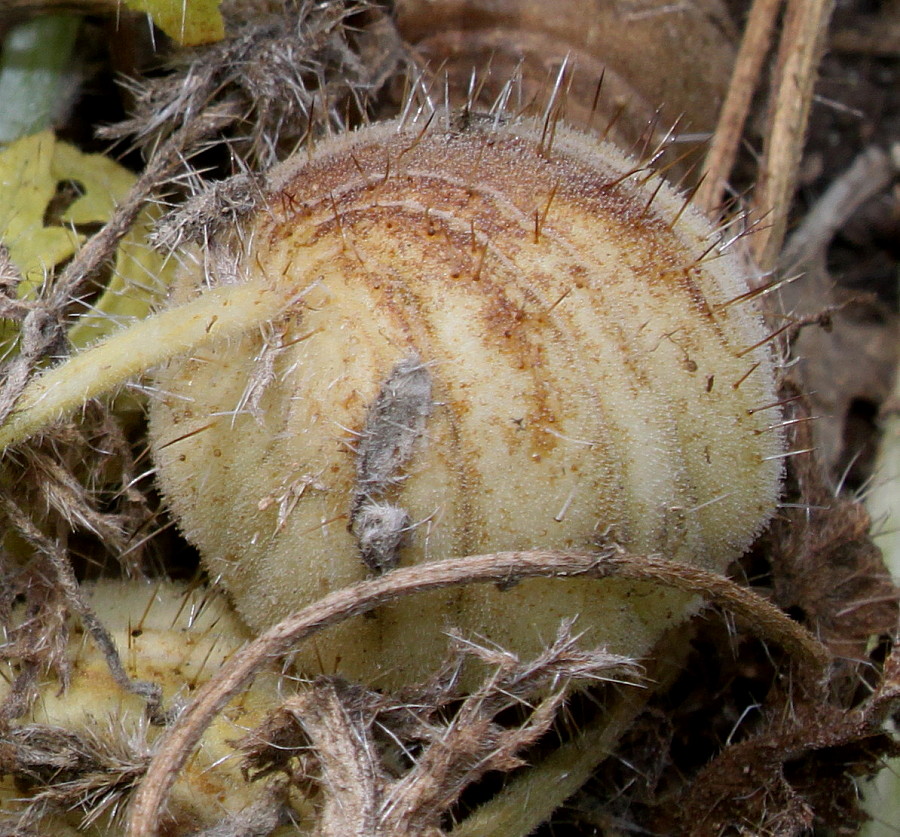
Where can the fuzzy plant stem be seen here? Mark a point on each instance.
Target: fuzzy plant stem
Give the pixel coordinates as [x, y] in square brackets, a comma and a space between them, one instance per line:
[42, 329]
[33, 73]
[532, 797]
[217, 314]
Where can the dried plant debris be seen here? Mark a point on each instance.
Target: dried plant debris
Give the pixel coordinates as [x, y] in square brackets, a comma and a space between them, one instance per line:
[84, 476]
[826, 571]
[726, 752]
[849, 355]
[305, 69]
[796, 772]
[209, 212]
[394, 424]
[394, 765]
[90, 771]
[36, 643]
[64, 512]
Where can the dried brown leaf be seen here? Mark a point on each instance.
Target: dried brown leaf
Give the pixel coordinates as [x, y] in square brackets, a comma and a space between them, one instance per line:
[826, 569]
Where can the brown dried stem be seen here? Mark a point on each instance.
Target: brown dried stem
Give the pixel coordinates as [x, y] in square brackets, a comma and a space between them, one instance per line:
[503, 568]
[530, 798]
[335, 733]
[802, 43]
[724, 146]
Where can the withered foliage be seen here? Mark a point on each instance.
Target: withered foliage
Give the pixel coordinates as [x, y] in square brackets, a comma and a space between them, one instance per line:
[90, 772]
[296, 73]
[71, 499]
[394, 765]
[826, 571]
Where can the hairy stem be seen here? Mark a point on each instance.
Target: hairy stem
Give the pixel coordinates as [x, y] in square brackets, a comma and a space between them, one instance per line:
[219, 313]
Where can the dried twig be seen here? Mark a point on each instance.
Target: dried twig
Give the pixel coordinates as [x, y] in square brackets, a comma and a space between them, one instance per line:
[724, 146]
[499, 568]
[802, 43]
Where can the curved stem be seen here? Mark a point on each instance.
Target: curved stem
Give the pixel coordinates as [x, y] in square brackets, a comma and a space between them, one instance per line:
[503, 568]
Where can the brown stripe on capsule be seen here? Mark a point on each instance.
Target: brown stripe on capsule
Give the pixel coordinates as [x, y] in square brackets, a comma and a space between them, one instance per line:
[415, 299]
[459, 183]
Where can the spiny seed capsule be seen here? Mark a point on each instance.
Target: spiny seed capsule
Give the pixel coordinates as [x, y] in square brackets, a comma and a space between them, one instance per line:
[89, 740]
[497, 340]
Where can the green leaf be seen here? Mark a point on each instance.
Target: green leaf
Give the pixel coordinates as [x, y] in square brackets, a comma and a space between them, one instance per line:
[34, 73]
[190, 22]
[30, 171]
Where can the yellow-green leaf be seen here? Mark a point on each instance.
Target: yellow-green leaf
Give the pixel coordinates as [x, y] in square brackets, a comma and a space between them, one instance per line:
[105, 183]
[30, 171]
[27, 185]
[190, 22]
[140, 279]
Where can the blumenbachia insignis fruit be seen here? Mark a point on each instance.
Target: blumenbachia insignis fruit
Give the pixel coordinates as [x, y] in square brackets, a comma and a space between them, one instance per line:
[82, 747]
[500, 335]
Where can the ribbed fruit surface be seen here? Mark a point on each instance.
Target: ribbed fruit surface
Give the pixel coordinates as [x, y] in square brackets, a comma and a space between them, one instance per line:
[493, 339]
[170, 636]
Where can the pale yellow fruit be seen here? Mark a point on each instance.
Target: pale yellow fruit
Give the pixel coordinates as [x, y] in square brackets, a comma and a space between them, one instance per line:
[177, 639]
[503, 336]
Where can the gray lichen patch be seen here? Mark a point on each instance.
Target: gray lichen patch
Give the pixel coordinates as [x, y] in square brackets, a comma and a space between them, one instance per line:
[395, 422]
[394, 425]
